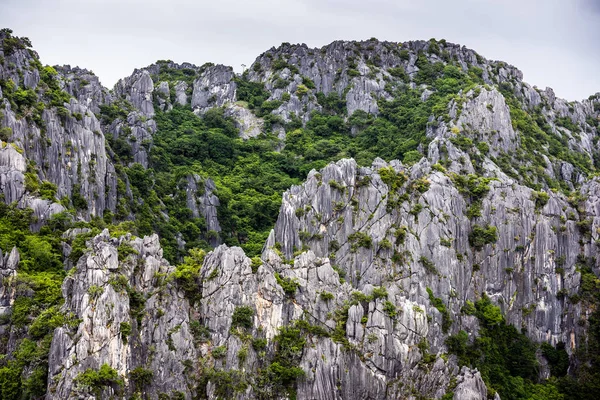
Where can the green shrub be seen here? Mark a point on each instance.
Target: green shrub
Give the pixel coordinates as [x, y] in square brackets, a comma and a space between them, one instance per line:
[79, 202]
[256, 262]
[394, 180]
[390, 309]
[421, 185]
[482, 235]
[428, 265]
[95, 291]
[360, 239]
[24, 98]
[326, 296]
[46, 322]
[557, 357]
[399, 73]
[308, 82]
[288, 285]
[416, 209]
[48, 191]
[219, 352]
[5, 133]
[242, 317]
[336, 185]
[259, 344]
[468, 308]
[483, 147]
[141, 377]
[97, 380]
[242, 354]
[289, 347]
[540, 199]
[125, 250]
[10, 382]
[125, 330]
[187, 274]
[137, 304]
[505, 357]
[412, 157]
[379, 293]
[400, 235]
[32, 182]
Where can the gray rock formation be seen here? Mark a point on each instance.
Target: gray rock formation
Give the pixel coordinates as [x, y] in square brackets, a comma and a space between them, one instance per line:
[214, 88]
[131, 317]
[360, 257]
[137, 89]
[202, 201]
[164, 96]
[486, 117]
[249, 125]
[354, 223]
[8, 272]
[332, 369]
[392, 254]
[85, 87]
[66, 148]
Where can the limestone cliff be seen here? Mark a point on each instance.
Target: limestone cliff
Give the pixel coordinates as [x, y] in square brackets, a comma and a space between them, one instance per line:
[371, 272]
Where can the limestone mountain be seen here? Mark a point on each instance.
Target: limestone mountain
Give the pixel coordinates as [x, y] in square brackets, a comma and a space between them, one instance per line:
[368, 220]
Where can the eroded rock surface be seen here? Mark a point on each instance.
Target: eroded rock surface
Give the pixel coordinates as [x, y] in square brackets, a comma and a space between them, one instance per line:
[131, 317]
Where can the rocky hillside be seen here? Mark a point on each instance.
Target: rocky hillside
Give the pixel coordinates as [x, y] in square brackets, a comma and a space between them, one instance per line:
[368, 220]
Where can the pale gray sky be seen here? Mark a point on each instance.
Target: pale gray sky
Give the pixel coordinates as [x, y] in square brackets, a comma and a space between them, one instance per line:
[554, 42]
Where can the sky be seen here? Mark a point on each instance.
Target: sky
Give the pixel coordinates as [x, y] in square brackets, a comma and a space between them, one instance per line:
[554, 42]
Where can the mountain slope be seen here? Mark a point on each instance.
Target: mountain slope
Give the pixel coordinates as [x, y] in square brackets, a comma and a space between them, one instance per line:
[466, 270]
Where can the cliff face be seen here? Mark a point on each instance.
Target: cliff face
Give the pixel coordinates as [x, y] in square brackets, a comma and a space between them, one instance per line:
[132, 319]
[366, 340]
[60, 144]
[371, 273]
[52, 136]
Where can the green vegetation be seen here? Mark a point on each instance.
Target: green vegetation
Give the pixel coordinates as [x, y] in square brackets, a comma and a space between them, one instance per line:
[390, 309]
[125, 250]
[326, 296]
[474, 188]
[441, 307]
[242, 317]
[36, 314]
[360, 239]
[125, 330]
[538, 138]
[428, 265]
[277, 373]
[140, 377]
[187, 274]
[482, 235]
[251, 175]
[97, 380]
[219, 352]
[391, 178]
[584, 382]
[540, 199]
[285, 370]
[248, 176]
[288, 285]
[505, 357]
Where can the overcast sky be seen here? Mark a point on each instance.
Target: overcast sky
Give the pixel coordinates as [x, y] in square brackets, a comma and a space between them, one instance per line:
[555, 43]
